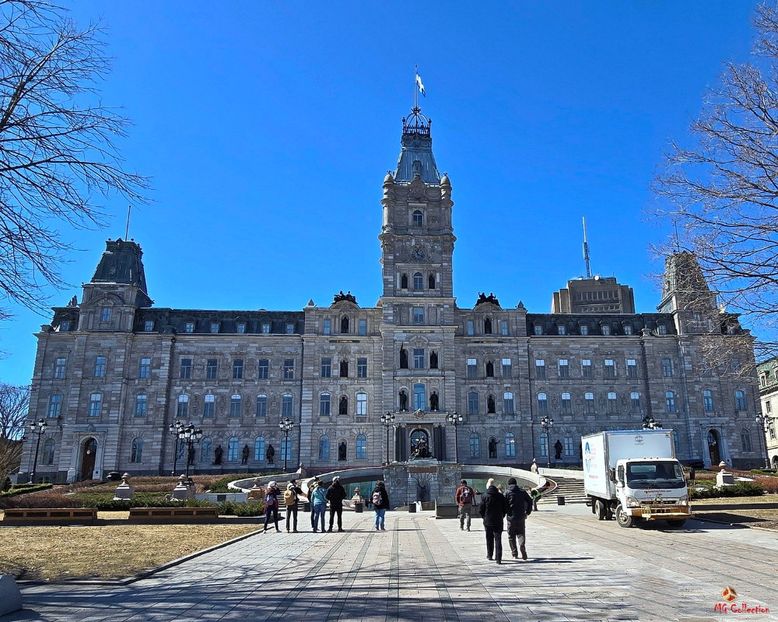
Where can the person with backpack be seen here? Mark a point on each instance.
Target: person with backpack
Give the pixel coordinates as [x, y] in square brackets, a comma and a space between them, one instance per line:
[380, 500]
[318, 505]
[335, 495]
[311, 485]
[519, 508]
[290, 501]
[271, 504]
[465, 497]
[493, 509]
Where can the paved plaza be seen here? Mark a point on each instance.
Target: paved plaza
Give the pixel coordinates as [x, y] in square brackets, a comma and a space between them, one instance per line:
[427, 569]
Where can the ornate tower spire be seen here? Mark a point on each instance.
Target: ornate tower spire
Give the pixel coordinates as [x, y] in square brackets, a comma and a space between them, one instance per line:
[416, 159]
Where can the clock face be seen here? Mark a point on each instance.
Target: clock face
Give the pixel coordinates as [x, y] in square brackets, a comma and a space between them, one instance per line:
[418, 253]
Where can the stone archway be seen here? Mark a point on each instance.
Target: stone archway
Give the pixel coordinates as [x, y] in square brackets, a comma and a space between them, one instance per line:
[88, 457]
[714, 447]
[420, 442]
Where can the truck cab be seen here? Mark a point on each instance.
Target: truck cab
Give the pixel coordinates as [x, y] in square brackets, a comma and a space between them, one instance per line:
[649, 489]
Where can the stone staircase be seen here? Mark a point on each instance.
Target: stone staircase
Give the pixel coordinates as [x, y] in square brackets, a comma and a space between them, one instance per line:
[571, 489]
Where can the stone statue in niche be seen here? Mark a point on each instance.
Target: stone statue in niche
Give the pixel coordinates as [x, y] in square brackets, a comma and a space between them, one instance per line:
[493, 447]
[558, 450]
[434, 401]
[217, 454]
[270, 454]
[403, 400]
[342, 451]
[244, 456]
[403, 358]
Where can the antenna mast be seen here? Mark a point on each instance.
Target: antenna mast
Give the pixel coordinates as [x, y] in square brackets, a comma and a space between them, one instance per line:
[586, 250]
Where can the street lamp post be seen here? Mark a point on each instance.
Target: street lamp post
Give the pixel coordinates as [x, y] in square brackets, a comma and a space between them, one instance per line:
[547, 423]
[649, 423]
[455, 419]
[286, 426]
[175, 429]
[388, 421]
[189, 435]
[764, 421]
[39, 429]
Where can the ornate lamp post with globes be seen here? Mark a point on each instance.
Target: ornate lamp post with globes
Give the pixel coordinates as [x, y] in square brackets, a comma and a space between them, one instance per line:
[649, 423]
[388, 421]
[39, 429]
[764, 422]
[455, 419]
[286, 426]
[190, 435]
[547, 423]
[175, 429]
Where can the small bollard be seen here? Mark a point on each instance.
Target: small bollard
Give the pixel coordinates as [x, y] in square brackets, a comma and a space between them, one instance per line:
[358, 508]
[560, 500]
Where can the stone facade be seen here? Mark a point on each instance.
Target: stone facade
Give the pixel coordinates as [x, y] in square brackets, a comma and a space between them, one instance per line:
[113, 372]
[768, 392]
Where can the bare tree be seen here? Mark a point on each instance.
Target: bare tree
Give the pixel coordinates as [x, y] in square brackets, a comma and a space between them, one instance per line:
[14, 406]
[723, 189]
[58, 154]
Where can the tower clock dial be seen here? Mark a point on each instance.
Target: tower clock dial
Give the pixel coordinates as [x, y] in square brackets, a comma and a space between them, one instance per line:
[418, 253]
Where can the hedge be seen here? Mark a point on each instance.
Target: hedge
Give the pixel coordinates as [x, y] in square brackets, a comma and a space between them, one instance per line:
[741, 489]
[24, 489]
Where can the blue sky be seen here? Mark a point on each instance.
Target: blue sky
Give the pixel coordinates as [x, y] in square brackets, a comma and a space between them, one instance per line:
[267, 128]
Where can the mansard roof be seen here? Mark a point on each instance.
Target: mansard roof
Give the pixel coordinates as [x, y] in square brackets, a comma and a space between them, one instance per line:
[416, 157]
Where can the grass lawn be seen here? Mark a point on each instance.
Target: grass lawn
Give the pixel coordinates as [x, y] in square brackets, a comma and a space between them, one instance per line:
[754, 517]
[113, 551]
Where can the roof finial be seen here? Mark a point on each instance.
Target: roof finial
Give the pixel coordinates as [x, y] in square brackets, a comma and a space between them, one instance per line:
[586, 250]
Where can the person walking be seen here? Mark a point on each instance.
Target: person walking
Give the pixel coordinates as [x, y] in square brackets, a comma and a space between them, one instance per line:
[290, 501]
[380, 500]
[335, 495]
[271, 504]
[519, 507]
[465, 497]
[311, 485]
[493, 509]
[318, 505]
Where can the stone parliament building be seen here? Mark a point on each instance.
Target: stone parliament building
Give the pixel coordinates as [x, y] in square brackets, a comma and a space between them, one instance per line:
[113, 371]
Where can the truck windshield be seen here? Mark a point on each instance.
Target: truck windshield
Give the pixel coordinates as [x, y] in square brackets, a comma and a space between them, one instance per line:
[650, 474]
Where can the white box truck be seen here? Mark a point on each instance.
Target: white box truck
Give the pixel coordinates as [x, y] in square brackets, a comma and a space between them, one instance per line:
[634, 476]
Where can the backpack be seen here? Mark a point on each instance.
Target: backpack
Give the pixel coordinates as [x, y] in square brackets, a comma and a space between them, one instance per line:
[466, 494]
[270, 500]
[376, 498]
[290, 497]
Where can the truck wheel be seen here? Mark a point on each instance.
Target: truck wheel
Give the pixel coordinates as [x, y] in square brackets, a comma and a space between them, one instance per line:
[599, 507]
[676, 524]
[622, 518]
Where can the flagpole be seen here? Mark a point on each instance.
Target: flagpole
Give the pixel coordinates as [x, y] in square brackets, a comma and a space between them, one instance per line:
[415, 89]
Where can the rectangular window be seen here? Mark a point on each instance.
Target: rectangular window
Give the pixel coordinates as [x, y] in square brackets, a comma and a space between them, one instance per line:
[740, 401]
[610, 368]
[324, 405]
[362, 367]
[538, 329]
[263, 369]
[290, 328]
[286, 406]
[470, 328]
[472, 403]
[185, 370]
[362, 404]
[586, 368]
[669, 402]
[419, 397]
[326, 367]
[568, 445]
[634, 399]
[507, 403]
[418, 315]
[209, 406]
[326, 327]
[265, 328]
[472, 368]
[418, 358]
[59, 368]
[182, 407]
[567, 404]
[504, 328]
[262, 406]
[148, 326]
[589, 403]
[235, 406]
[632, 369]
[667, 368]
[211, 369]
[362, 327]
[100, 367]
[542, 404]
[540, 369]
[214, 327]
[544, 445]
[105, 314]
[237, 369]
[612, 402]
[627, 329]
[768, 407]
[55, 404]
[707, 400]
[140, 405]
[661, 329]
[241, 327]
[189, 327]
[95, 404]
[561, 330]
[564, 368]
[584, 329]
[507, 368]
[144, 369]
[288, 369]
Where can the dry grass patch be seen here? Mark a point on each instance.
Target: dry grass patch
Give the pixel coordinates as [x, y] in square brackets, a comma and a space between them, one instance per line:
[113, 551]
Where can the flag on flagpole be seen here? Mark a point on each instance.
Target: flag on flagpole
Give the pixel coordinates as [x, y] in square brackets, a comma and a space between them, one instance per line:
[420, 84]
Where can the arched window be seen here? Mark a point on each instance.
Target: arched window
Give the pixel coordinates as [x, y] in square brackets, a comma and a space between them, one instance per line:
[209, 405]
[433, 360]
[325, 408]
[542, 404]
[489, 369]
[182, 409]
[324, 449]
[418, 280]
[510, 445]
[507, 403]
[745, 439]
[261, 405]
[205, 450]
[343, 405]
[344, 324]
[48, 451]
[418, 218]
[403, 281]
[431, 281]
[259, 448]
[235, 406]
[136, 454]
[475, 446]
[344, 368]
[472, 403]
[361, 447]
[232, 449]
[490, 409]
[403, 358]
[488, 326]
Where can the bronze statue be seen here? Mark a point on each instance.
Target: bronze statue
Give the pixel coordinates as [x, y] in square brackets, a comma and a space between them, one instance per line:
[270, 454]
[244, 458]
[434, 401]
[493, 447]
[342, 451]
[558, 449]
[403, 400]
[217, 454]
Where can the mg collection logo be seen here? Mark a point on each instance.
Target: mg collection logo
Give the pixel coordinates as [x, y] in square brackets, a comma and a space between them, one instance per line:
[729, 604]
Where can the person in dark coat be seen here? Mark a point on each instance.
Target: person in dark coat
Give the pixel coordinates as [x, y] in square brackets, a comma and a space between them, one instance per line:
[493, 509]
[271, 504]
[519, 507]
[335, 495]
[380, 501]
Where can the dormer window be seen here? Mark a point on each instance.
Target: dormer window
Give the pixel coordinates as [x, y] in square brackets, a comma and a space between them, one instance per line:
[241, 327]
[606, 330]
[584, 329]
[538, 329]
[214, 327]
[265, 328]
[561, 330]
[627, 329]
[148, 326]
[105, 314]
[661, 329]
[64, 325]
[418, 218]
[189, 327]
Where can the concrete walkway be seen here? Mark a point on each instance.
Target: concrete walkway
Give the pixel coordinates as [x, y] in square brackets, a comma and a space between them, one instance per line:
[427, 569]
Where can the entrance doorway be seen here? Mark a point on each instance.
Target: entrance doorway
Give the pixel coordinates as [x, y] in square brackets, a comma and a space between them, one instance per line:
[714, 447]
[88, 455]
[420, 444]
